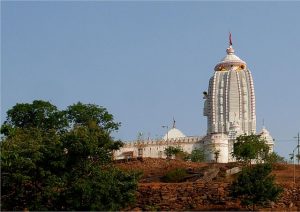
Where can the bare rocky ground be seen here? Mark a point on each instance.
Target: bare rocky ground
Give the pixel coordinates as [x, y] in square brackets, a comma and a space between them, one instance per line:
[205, 187]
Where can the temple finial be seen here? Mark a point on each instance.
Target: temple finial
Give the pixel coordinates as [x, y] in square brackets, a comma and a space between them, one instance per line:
[230, 50]
[230, 41]
[174, 122]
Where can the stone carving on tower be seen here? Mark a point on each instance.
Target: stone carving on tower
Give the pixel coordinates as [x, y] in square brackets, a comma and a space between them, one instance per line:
[229, 102]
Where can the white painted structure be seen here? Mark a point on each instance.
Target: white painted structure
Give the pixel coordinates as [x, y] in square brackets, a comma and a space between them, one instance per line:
[155, 148]
[230, 97]
[268, 138]
[173, 134]
[230, 110]
[229, 105]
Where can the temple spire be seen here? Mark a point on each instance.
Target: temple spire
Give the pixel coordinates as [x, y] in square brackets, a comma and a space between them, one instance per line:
[174, 122]
[230, 50]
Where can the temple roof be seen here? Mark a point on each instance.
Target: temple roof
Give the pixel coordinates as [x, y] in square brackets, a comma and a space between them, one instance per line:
[173, 133]
[231, 56]
[266, 135]
[229, 61]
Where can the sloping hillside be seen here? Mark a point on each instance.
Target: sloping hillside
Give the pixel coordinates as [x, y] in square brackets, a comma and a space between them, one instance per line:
[204, 188]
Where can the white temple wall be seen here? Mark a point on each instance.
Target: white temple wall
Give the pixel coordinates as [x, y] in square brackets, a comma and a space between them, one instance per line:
[120, 153]
[155, 149]
[217, 142]
[210, 143]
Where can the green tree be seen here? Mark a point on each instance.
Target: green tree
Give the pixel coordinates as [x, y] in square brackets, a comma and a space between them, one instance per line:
[84, 114]
[255, 186]
[70, 170]
[250, 147]
[39, 114]
[197, 155]
[30, 166]
[172, 151]
[273, 158]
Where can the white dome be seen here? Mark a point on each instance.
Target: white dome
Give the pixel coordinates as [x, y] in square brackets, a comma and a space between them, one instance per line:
[266, 135]
[173, 133]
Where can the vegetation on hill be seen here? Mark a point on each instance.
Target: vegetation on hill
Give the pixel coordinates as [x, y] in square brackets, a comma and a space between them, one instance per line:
[175, 176]
[274, 158]
[255, 185]
[250, 147]
[61, 160]
[172, 151]
[55, 159]
[197, 155]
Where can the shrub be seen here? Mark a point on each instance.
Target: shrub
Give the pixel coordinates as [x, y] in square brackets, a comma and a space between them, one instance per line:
[172, 151]
[274, 158]
[175, 176]
[277, 162]
[255, 186]
[182, 156]
[197, 155]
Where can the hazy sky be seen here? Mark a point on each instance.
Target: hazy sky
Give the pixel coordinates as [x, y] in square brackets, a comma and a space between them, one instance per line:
[148, 62]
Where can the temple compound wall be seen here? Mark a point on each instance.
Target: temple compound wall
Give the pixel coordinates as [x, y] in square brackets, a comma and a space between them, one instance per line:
[217, 142]
[155, 148]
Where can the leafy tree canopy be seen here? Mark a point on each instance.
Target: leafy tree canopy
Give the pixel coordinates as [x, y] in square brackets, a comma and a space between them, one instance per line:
[197, 155]
[172, 151]
[255, 186]
[70, 170]
[39, 114]
[249, 147]
[84, 114]
[274, 158]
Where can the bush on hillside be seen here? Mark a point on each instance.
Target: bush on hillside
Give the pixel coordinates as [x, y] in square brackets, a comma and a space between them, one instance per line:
[197, 155]
[255, 186]
[175, 176]
[171, 151]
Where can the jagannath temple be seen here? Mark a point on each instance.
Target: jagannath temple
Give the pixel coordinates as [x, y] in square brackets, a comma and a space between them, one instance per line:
[229, 105]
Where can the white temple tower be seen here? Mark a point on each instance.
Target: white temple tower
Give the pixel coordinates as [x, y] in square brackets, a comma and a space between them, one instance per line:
[229, 103]
[230, 98]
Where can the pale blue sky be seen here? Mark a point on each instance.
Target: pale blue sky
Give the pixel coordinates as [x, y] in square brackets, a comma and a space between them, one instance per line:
[149, 61]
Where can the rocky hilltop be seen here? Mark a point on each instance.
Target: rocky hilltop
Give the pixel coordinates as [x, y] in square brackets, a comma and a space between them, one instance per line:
[206, 186]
